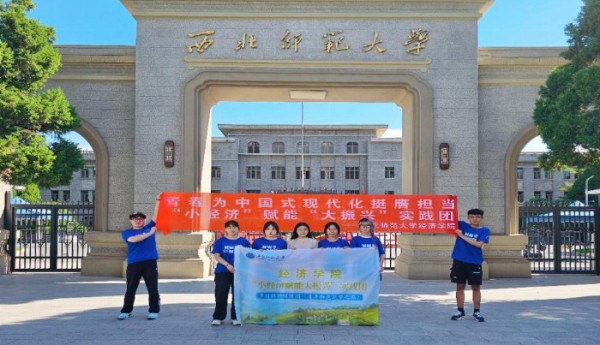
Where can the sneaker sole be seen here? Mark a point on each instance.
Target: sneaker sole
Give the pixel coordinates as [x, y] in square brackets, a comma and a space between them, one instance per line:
[457, 318]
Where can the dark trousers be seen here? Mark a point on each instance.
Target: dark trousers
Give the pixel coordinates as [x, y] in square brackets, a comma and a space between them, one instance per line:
[149, 271]
[223, 281]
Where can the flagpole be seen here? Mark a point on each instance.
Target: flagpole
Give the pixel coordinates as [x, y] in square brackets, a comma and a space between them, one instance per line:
[302, 142]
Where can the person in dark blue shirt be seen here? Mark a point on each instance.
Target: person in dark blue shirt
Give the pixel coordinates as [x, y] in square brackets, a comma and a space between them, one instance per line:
[467, 258]
[271, 240]
[332, 239]
[223, 251]
[142, 256]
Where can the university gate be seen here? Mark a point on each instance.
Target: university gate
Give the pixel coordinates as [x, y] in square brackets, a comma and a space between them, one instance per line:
[192, 54]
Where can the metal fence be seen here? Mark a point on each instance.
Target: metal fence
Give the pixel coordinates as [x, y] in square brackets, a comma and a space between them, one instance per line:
[561, 239]
[49, 237]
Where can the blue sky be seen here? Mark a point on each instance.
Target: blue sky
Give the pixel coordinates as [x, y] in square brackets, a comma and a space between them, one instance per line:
[508, 23]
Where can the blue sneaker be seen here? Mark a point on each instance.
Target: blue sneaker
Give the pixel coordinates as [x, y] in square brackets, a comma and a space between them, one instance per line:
[152, 316]
[123, 316]
[457, 316]
[477, 316]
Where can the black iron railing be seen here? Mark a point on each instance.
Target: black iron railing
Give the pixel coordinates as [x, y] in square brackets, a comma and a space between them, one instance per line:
[49, 237]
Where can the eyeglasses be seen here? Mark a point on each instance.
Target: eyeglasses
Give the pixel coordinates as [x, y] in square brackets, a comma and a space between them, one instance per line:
[364, 225]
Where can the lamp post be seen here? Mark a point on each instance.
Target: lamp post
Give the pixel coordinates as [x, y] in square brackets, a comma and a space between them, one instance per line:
[586, 189]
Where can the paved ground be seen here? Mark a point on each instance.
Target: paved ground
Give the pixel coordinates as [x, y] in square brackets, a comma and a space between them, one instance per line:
[66, 308]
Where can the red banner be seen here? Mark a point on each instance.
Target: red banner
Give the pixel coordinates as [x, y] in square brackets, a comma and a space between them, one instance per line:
[390, 213]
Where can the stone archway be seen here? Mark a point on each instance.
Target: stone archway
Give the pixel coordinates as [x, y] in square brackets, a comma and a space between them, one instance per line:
[95, 140]
[510, 177]
[410, 93]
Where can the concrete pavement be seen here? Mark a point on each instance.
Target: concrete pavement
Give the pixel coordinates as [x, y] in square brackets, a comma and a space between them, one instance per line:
[67, 308]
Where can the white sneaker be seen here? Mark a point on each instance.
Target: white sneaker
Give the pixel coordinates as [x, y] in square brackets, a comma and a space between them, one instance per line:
[236, 323]
[123, 316]
[216, 322]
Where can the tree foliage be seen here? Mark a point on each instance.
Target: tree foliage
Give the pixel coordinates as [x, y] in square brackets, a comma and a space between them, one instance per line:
[567, 113]
[577, 191]
[31, 193]
[27, 111]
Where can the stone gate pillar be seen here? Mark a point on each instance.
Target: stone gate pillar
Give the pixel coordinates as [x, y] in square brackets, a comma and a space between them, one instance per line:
[4, 257]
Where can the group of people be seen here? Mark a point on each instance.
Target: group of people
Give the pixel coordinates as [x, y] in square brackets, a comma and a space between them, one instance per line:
[224, 248]
[142, 256]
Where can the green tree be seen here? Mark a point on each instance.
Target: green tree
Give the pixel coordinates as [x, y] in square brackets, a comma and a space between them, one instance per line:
[577, 191]
[27, 111]
[567, 113]
[31, 193]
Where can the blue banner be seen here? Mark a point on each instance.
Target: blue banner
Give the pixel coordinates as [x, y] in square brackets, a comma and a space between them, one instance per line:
[307, 286]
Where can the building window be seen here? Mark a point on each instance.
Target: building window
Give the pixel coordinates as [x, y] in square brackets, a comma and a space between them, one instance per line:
[351, 191]
[54, 195]
[85, 173]
[327, 173]
[389, 192]
[549, 196]
[253, 191]
[215, 172]
[389, 172]
[521, 196]
[278, 147]
[352, 147]
[519, 173]
[299, 147]
[278, 173]
[548, 174]
[66, 195]
[253, 173]
[84, 196]
[87, 196]
[352, 173]
[299, 173]
[537, 195]
[253, 147]
[327, 147]
[537, 174]
[566, 174]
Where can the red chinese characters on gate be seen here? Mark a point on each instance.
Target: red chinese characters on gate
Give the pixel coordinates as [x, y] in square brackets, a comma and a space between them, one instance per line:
[390, 213]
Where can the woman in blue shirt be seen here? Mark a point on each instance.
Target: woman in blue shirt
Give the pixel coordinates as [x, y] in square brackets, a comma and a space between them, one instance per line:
[223, 251]
[333, 240]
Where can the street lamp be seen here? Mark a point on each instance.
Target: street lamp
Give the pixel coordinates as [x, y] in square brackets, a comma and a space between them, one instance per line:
[586, 189]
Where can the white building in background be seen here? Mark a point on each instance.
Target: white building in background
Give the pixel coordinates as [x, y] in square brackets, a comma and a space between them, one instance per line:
[82, 187]
[535, 182]
[343, 159]
[348, 159]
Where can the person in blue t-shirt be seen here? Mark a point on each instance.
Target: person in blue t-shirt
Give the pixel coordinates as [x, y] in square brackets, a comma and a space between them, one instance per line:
[467, 258]
[223, 251]
[142, 256]
[271, 240]
[333, 240]
[366, 238]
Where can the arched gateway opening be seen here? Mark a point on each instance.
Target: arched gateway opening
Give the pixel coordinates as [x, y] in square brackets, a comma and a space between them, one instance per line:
[510, 177]
[95, 140]
[410, 93]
